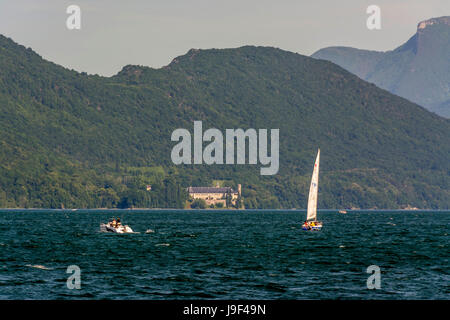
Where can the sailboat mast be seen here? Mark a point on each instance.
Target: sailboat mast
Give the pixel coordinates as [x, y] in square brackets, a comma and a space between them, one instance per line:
[313, 191]
[317, 189]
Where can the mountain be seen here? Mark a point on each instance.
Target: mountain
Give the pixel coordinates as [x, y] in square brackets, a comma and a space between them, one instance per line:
[418, 70]
[71, 139]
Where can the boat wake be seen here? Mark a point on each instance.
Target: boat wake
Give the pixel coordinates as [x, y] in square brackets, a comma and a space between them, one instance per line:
[38, 266]
[162, 245]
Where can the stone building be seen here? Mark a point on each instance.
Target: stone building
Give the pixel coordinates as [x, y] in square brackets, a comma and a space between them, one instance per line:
[214, 195]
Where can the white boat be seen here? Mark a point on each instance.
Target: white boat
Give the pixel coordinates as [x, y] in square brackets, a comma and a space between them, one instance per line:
[108, 227]
[311, 222]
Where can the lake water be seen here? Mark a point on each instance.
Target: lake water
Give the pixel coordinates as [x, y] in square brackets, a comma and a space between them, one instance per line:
[224, 255]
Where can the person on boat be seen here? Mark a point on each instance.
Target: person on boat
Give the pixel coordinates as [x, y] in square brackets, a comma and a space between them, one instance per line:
[118, 222]
[113, 223]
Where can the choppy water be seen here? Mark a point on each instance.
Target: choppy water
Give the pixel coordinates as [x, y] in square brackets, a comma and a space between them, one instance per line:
[224, 255]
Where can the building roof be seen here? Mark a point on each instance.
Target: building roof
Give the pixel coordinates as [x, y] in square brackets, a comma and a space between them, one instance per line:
[210, 190]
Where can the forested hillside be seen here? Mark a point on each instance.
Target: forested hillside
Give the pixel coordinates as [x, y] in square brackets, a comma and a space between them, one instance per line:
[69, 139]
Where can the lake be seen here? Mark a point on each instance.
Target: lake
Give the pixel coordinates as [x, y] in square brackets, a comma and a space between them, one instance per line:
[249, 254]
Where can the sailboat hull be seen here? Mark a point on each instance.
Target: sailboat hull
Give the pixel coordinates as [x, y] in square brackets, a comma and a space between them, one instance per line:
[317, 226]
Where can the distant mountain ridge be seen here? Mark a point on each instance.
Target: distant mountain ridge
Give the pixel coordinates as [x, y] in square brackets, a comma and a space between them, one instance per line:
[74, 140]
[418, 70]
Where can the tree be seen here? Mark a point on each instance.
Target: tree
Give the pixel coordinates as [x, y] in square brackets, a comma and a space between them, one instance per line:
[228, 199]
[198, 204]
[238, 204]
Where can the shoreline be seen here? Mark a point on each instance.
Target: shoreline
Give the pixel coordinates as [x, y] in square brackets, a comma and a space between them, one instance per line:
[209, 209]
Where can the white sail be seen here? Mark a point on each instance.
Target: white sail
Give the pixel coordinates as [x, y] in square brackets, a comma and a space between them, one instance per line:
[313, 189]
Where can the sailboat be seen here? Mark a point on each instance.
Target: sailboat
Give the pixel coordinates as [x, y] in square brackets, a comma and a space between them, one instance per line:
[311, 222]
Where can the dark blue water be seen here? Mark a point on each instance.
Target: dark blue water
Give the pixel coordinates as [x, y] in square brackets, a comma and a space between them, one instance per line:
[224, 255]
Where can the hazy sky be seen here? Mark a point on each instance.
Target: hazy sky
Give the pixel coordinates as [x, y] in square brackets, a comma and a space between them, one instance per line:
[115, 33]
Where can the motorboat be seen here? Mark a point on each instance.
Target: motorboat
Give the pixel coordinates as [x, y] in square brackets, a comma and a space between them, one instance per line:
[115, 228]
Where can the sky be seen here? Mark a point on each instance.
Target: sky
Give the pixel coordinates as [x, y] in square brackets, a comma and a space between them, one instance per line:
[115, 33]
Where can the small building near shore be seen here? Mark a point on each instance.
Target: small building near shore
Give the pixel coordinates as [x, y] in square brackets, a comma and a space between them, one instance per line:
[214, 195]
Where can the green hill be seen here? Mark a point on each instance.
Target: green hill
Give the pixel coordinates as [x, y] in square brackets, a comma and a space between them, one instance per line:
[76, 140]
[418, 70]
